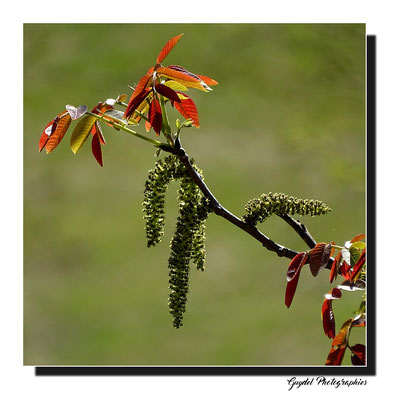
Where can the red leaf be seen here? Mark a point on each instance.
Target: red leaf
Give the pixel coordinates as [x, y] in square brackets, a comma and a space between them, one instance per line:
[293, 275]
[167, 92]
[155, 116]
[47, 131]
[188, 109]
[358, 354]
[319, 257]
[357, 238]
[359, 321]
[181, 77]
[97, 129]
[335, 267]
[328, 318]
[341, 338]
[184, 70]
[135, 103]
[96, 147]
[207, 80]
[358, 266]
[335, 356]
[60, 126]
[344, 270]
[139, 90]
[168, 47]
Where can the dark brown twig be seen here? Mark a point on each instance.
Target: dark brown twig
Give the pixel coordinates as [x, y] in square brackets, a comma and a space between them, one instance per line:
[300, 229]
[218, 209]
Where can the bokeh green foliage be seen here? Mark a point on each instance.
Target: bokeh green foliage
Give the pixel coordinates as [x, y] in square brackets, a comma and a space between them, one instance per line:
[287, 116]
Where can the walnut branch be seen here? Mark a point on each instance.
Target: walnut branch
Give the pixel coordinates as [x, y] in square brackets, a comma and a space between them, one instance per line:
[252, 230]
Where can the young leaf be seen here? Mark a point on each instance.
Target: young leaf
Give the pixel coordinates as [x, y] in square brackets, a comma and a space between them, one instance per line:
[355, 252]
[183, 78]
[116, 115]
[60, 126]
[188, 109]
[350, 286]
[168, 47]
[328, 318]
[207, 80]
[186, 72]
[175, 86]
[335, 356]
[357, 238]
[345, 269]
[358, 266]
[341, 338]
[47, 131]
[155, 116]
[96, 147]
[358, 354]
[139, 89]
[346, 256]
[319, 257]
[97, 130]
[167, 92]
[81, 132]
[335, 267]
[136, 102]
[293, 275]
[74, 112]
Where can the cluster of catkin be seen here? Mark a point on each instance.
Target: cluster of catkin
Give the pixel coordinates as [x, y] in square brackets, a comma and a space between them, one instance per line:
[189, 238]
[257, 210]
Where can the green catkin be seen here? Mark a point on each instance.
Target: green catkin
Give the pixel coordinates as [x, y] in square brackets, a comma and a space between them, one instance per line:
[257, 210]
[188, 242]
[181, 249]
[154, 198]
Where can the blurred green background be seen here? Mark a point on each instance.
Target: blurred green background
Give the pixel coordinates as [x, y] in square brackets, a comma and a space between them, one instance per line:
[287, 116]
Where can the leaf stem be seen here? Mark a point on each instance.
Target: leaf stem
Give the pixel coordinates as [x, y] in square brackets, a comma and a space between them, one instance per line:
[124, 128]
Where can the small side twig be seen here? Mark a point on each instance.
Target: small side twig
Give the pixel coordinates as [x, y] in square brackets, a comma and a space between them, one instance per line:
[252, 230]
[300, 229]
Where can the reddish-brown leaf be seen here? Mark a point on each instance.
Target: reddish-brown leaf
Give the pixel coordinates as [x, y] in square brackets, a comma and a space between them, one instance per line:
[357, 238]
[155, 116]
[341, 338]
[64, 120]
[207, 80]
[188, 110]
[335, 356]
[344, 270]
[359, 321]
[184, 79]
[184, 70]
[358, 354]
[135, 103]
[328, 318]
[96, 148]
[168, 47]
[293, 275]
[319, 257]
[168, 93]
[97, 129]
[47, 131]
[335, 267]
[139, 90]
[358, 266]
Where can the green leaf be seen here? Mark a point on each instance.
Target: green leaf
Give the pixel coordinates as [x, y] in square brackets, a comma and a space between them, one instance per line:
[81, 132]
[355, 252]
